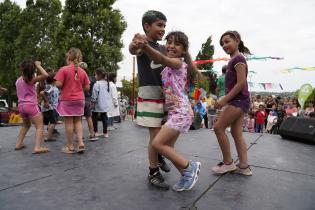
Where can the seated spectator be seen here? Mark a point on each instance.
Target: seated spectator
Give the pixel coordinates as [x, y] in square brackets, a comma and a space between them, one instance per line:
[309, 109]
[199, 112]
[198, 108]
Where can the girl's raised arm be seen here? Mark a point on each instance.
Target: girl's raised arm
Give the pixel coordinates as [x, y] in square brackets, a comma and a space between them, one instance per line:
[43, 74]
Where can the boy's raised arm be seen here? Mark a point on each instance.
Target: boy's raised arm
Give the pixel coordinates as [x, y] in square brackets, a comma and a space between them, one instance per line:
[134, 48]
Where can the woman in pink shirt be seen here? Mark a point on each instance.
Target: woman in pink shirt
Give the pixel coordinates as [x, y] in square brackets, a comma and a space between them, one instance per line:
[28, 105]
[73, 81]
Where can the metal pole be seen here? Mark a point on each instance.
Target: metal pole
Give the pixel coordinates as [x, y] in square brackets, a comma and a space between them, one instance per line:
[133, 85]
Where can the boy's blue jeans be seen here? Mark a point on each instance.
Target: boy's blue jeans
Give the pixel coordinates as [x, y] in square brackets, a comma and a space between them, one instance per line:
[259, 128]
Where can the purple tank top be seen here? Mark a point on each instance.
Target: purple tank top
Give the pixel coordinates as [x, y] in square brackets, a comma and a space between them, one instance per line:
[231, 78]
[25, 92]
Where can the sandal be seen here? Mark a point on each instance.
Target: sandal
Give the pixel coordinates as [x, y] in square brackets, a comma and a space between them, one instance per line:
[22, 146]
[243, 171]
[100, 135]
[81, 149]
[41, 150]
[68, 150]
[93, 138]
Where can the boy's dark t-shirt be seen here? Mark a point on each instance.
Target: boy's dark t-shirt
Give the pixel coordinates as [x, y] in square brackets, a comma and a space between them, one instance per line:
[149, 73]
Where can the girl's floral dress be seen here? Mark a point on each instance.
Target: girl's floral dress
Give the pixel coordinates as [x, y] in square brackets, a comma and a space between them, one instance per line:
[180, 114]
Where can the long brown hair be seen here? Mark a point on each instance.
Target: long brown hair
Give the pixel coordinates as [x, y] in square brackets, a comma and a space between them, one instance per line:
[236, 36]
[28, 70]
[102, 74]
[192, 71]
[74, 55]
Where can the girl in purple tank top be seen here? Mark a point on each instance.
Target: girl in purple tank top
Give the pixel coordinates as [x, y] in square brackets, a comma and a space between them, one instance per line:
[27, 103]
[176, 76]
[236, 103]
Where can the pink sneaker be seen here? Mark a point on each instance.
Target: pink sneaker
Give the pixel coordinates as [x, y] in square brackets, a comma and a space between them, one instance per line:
[223, 168]
[106, 135]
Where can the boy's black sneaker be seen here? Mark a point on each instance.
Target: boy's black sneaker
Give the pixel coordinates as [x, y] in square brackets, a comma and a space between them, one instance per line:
[162, 164]
[158, 181]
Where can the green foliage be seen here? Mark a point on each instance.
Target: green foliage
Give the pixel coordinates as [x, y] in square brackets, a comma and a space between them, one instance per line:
[127, 88]
[95, 28]
[9, 31]
[204, 83]
[206, 53]
[309, 99]
[39, 22]
[45, 32]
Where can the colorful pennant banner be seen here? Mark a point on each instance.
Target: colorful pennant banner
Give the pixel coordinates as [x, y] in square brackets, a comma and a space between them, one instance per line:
[252, 57]
[199, 62]
[290, 70]
[266, 86]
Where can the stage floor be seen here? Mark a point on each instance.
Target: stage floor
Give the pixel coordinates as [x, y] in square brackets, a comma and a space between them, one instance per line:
[112, 174]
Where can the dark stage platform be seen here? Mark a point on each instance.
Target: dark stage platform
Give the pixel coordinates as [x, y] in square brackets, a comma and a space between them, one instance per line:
[112, 174]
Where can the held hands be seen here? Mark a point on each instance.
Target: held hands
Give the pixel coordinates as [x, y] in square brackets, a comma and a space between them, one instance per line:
[139, 41]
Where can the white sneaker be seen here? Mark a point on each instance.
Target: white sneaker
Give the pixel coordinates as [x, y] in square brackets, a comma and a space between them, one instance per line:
[223, 168]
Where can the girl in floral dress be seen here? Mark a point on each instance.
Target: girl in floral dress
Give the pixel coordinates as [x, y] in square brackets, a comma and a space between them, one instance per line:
[176, 77]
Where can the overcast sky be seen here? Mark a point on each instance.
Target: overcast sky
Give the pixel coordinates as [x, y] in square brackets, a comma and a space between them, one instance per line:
[281, 28]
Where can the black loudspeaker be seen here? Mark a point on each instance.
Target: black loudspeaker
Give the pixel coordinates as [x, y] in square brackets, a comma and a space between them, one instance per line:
[297, 128]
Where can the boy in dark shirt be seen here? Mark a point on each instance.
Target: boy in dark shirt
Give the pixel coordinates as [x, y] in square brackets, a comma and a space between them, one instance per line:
[150, 101]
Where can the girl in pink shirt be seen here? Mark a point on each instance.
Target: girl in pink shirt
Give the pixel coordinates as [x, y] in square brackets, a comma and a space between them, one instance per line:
[28, 105]
[73, 81]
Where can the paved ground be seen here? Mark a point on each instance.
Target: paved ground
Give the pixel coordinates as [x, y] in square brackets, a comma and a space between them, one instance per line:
[112, 174]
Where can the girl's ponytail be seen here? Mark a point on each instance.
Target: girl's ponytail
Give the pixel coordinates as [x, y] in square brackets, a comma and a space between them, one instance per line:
[76, 75]
[107, 79]
[243, 49]
[75, 56]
